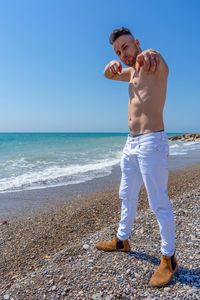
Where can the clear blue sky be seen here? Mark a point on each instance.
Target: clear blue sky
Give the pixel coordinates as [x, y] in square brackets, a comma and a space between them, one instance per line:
[52, 56]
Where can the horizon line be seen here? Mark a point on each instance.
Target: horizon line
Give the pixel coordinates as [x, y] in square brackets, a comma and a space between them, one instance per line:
[83, 132]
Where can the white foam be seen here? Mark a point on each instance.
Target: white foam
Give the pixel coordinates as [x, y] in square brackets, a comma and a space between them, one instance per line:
[182, 147]
[175, 146]
[23, 173]
[51, 174]
[177, 153]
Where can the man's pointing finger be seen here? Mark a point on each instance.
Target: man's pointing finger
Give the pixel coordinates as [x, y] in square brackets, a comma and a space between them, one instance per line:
[139, 62]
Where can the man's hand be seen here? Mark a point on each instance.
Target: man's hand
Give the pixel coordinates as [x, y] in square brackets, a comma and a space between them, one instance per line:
[115, 67]
[114, 71]
[148, 60]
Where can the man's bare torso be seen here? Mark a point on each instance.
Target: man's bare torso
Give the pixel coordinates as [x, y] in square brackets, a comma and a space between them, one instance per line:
[147, 77]
[147, 93]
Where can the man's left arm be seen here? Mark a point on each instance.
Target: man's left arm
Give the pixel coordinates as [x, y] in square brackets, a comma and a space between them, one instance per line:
[151, 61]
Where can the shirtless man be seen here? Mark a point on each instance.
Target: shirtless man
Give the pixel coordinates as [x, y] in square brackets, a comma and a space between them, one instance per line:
[145, 155]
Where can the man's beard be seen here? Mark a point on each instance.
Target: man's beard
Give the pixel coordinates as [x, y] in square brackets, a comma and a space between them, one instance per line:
[132, 62]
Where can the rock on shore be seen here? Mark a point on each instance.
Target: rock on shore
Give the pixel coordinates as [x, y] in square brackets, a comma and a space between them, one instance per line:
[186, 137]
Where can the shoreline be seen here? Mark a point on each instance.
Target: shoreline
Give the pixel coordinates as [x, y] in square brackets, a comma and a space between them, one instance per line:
[21, 202]
[180, 181]
[27, 242]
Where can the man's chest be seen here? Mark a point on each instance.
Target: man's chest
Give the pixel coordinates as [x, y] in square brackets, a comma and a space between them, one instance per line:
[144, 85]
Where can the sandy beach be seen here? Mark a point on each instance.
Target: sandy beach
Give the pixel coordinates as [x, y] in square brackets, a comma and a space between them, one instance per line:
[50, 253]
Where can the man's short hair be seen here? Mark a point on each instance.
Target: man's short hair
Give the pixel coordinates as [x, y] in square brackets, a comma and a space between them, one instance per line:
[117, 33]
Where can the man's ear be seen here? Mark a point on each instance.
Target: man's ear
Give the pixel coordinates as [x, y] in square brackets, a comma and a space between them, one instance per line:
[137, 42]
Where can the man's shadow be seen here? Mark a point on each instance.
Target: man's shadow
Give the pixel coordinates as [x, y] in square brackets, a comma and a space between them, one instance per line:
[183, 274]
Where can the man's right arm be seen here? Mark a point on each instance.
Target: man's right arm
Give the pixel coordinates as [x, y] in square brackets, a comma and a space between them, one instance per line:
[114, 71]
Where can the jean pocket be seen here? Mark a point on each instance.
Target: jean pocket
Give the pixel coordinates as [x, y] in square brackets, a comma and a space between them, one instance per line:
[149, 148]
[163, 149]
[126, 149]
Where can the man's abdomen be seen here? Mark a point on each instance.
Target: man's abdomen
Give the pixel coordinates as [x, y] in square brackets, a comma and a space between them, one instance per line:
[145, 124]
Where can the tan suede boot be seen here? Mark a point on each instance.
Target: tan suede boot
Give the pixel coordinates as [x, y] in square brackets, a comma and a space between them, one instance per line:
[114, 245]
[164, 272]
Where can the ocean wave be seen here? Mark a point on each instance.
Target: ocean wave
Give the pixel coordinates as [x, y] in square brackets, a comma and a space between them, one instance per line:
[40, 169]
[57, 175]
[177, 153]
[182, 148]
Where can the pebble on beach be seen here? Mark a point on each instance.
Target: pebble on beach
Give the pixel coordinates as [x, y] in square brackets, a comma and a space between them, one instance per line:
[86, 247]
[75, 269]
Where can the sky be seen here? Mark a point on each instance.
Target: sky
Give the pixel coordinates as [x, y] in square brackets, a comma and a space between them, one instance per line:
[53, 53]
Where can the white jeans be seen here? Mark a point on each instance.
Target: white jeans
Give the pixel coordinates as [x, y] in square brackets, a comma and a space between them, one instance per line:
[145, 160]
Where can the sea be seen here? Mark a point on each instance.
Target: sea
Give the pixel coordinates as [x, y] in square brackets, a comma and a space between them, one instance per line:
[40, 160]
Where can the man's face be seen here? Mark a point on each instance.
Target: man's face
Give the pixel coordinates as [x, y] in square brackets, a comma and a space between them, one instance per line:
[127, 48]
